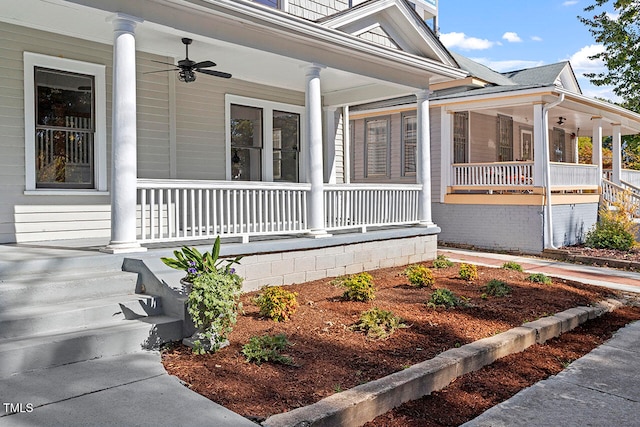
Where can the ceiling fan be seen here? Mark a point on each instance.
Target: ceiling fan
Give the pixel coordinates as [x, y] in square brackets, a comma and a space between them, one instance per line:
[187, 68]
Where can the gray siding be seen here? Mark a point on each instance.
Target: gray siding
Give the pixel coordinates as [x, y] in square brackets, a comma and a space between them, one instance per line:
[23, 217]
[379, 36]
[316, 9]
[483, 145]
[436, 153]
[508, 228]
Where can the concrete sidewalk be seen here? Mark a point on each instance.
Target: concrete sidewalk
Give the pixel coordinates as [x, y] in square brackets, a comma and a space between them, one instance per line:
[599, 389]
[129, 390]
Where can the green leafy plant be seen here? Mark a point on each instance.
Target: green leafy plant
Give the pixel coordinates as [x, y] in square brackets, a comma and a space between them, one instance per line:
[442, 261]
[359, 287]
[377, 323]
[444, 298]
[267, 348]
[539, 278]
[512, 265]
[195, 263]
[468, 272]
[277, 303]
[615, 228]
[419, 275]
[497, 288]
[213, 304]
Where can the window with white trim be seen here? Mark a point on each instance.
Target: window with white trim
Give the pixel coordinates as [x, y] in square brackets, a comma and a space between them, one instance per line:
[460, 137]
[377, 147]
[65, 124]
[264, 140]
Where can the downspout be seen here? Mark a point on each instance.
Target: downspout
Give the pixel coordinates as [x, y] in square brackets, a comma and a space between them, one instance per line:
[547, 170]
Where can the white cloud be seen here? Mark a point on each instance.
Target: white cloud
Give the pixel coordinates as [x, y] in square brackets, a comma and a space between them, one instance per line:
[570, 3]
[582, 64]
[511, 37]
[508, 65]
[536, 38]
[464, 42]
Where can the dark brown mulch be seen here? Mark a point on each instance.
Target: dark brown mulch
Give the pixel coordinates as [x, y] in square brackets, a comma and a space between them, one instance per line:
[330, 357]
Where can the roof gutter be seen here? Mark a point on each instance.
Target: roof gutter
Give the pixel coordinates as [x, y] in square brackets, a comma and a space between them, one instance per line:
[547, 172]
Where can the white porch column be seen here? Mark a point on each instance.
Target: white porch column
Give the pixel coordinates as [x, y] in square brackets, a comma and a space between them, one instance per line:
[423, 167]
[539, 145]
[313, 108]
[616, 148]
[330, 144]
[596, 141]
[446, 158]
[124, 134]
[346, 147]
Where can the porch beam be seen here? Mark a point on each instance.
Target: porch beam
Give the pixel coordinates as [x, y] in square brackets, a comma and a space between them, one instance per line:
[313, 117]
[423, 173]
[124, 162]
[616, 148]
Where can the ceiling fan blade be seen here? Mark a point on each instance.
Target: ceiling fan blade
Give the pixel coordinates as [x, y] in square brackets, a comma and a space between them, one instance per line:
[204, 64]
[161, 71]
[165, 63]
[216, 73]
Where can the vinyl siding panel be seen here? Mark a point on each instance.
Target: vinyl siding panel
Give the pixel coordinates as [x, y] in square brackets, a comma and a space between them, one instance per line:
[316, 9]
[482, 130]
[436, 153]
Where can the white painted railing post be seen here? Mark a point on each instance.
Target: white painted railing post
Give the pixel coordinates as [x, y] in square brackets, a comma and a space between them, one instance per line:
[124, 163]
[313, 106]
[616, 148]
[423, 175]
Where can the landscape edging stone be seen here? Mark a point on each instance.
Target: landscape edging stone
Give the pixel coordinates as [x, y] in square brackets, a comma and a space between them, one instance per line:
[363, 403]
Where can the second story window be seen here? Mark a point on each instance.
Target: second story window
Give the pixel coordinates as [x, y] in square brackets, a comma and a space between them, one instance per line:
[277, 4]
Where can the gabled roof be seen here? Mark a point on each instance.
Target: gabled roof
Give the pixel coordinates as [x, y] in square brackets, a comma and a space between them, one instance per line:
[398, 20]
[560, 74]
[482, 72]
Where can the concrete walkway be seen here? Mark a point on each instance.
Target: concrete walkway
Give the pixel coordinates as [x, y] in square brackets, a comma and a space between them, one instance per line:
[602, 388]
[130, 390]
[599, 389]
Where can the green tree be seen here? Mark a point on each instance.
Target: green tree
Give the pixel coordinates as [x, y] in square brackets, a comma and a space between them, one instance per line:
[619, 33]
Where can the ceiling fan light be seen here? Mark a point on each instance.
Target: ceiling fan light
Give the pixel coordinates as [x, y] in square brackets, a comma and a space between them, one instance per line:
[186, 76]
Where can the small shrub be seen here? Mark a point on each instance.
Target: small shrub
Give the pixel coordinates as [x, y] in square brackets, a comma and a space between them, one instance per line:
[511, 265]
[442, 262]
[539, 278]
[213, 304]
[359, 287]
[468, 272]
[420, 276]
[277, 303]
[497, 288]
[267, 349]
[444, 298]
[377, 323]
[615, 228]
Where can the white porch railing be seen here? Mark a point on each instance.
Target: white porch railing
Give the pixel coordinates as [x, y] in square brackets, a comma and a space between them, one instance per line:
[187, 210]
[362, 205]
[630, 176]
[612, 193]
[492, 174]
[574, 175]
[173, 210]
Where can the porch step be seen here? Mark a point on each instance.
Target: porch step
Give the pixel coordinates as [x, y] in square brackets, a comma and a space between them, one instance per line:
[85, 343]
[38, 319]
[39, 289]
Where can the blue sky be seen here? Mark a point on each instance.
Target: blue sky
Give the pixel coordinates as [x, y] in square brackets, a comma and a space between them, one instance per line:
[514, 34]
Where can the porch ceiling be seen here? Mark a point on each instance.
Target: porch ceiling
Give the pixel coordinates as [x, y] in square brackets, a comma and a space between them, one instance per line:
[577, 110]
[250, 49]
